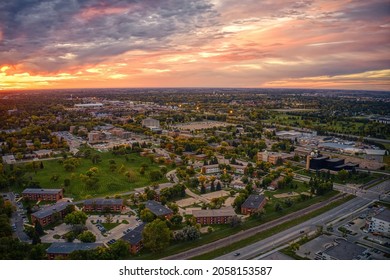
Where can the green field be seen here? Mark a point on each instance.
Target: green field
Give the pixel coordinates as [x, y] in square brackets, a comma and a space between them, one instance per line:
[110, 182]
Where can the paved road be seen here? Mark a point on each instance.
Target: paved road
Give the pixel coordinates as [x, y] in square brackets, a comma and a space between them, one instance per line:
[332, 216]
[18, 220]
[250, 232]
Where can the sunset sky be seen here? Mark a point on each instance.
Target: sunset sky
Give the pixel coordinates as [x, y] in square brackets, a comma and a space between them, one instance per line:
[342, 44]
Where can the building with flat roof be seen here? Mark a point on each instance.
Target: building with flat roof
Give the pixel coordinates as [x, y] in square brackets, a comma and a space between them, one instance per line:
[317, 162]
[134, 238]
[43, 194]
[149, 123]
[214, 216]
[88, 105]
[50, 214]
[380, 223]
[9, 159]
[210, 169]
[344, 250]
[158, 209]
[253, 203]
[103, 204]
[63, 249]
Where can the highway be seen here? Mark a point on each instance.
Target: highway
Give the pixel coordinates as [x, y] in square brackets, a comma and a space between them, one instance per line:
[345, 210]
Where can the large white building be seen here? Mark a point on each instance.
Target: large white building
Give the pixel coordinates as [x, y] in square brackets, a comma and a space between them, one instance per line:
[151, 123]
[381, 223]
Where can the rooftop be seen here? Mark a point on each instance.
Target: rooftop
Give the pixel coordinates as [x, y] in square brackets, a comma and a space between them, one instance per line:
[134, 236]
[384, 216]
[103, 201]
[69, 247]
[345, 250]
[50, 210]
[41, 191]
[223, 212]
[157, 208]
[253, 201]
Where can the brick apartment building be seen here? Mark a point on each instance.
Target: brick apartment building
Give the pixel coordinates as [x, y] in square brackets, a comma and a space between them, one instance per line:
[252, 204]
[43, 194]
[134, 238]
[50, 214]
[101, 205]
[63, 249]
[214, 216]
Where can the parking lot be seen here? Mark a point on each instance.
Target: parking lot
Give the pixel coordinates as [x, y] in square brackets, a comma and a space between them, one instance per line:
[94, 221]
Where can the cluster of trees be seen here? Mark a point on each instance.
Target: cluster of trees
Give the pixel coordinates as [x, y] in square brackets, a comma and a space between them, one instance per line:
[188, 233]
[77, 219]
[320, 186]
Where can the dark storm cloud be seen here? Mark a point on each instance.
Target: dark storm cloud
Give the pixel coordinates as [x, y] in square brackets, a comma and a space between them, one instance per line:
[47, 34]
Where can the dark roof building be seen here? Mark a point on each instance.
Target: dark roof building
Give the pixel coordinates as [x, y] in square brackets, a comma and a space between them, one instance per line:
[158, 209]
[65, 248]
[344, 250]
[102, 204]
[252, 203]
[43, 194]
[134, 237]
[50, 214]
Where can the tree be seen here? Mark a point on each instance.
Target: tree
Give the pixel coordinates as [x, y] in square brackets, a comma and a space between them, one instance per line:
[76, 218]
[191, 233]
[120, 250]
[235, 221]
[343, 175]
[176, 219]
[38, 228]
[155, 175]
[239, 200]
[156, 236]
[66, 182]
[219, 186]
[87, 237]
[147, 216]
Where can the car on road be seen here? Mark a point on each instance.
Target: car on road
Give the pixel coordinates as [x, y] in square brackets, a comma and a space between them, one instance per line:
[236, 254]
[302, 231]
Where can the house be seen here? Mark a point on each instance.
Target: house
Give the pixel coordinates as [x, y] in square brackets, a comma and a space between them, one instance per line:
[210, 169]
[150, 123]
[50, 214]
[63, 249]
[238, 185]
[43, 153]
[134, 238]
[158, 209]
[380, 223]
[213, 216]
[252, 204]
[43, 194]
[101, 204]
[9, 159]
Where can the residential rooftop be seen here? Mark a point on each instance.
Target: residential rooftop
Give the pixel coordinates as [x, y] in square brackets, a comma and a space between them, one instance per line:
[253, 201]
[223, 212]
[50, 210]
[41, 191]
[157, 208]
[103, 201]
[69, 247]
[134, 236]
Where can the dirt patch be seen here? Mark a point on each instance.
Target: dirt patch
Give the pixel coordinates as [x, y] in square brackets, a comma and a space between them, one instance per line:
[212, 195]
[284, 195]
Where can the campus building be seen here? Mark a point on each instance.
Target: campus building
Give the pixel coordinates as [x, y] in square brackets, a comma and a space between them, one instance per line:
[63, 249]
[158, 209]
[380, 223]
[134, 238]
[43, 194]
[101, 205]
[213, 216]
[50, 214]
[317, 162]
[150, 123]
[252, 204]
[344, 250]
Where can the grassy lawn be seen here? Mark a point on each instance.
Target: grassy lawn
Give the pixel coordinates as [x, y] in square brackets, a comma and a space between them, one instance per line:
[110, 182]
[110, 226]
[354, 179]
[221, 231]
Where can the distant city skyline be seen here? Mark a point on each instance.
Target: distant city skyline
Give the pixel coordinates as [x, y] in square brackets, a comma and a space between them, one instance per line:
[50, 44]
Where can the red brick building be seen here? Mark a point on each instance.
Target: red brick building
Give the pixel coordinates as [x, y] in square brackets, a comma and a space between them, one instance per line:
[101, 205]
[134, 238]
[63, 249]
[158, 209]
[252, 204]
[214, 216]
[43, 194]
[50, 214]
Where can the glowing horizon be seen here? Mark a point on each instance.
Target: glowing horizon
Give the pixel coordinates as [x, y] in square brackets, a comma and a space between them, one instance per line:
[54, 44]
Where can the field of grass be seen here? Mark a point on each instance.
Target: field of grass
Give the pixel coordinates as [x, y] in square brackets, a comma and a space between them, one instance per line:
[110, 182]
